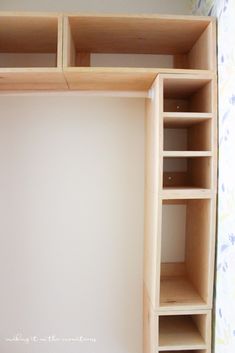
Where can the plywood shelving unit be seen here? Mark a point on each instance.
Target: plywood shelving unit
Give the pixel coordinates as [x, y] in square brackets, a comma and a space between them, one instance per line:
[181, 157]
[181, 141]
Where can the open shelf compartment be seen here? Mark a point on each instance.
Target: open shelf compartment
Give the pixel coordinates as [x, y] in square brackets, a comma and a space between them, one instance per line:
[149, 34]
[183, 171]
[31, 51]
[187, 94]
[186, 250]
[29, 40]
[128, 51]
[191, 132]
[183, 332]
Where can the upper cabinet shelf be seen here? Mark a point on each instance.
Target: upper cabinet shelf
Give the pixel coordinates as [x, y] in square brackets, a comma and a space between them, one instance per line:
[94, 44]
[30, 51]
[101, 52]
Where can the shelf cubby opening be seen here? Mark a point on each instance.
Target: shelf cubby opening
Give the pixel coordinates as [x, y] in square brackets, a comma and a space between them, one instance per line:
[186, 172]
[185, 255]
[187, 136]
[29, 41]
[182, 332]
[92, 41]
[187, 95]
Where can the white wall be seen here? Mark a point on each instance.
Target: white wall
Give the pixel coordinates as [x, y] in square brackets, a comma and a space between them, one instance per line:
[71, 222]
[71, 208]
[119, 6]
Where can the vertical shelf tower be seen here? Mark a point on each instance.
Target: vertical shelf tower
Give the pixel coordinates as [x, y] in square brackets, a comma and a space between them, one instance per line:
[181, 167]
[45, 51]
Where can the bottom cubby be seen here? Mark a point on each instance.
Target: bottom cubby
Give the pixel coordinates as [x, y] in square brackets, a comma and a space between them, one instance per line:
[183, 332]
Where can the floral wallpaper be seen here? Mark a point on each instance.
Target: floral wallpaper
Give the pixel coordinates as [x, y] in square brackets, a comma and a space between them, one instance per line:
[224, 10]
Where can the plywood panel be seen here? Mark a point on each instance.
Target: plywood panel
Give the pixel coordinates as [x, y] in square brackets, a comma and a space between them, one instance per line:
[198, 245]
[177, 292]
[28, 32]
[32, 79]
[179, 333]
[153, 182]
[203, 53]
[152, 34]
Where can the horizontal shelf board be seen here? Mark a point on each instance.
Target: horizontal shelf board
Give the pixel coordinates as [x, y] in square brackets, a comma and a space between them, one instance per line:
[176, 292]
[85, 78]
[181, 351]
[37, 78]
[178, 119]
[169, 193]
[32, 70]
[180, 154]
[119, 78]
[179, 333]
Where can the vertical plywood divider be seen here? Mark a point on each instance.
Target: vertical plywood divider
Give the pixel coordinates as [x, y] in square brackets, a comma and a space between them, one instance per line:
[60, 42]
[203, 53]
[151, 194]
[153, 183]
[69, 52]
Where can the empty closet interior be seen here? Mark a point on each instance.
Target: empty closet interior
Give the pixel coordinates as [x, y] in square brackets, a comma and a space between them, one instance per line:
[170, 62]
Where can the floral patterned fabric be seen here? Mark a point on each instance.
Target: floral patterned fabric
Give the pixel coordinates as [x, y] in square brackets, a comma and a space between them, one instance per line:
[224, 10]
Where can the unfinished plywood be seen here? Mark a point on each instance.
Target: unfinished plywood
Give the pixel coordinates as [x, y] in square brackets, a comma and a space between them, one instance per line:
[138, 34]
[178, 287]
[181, 140]
[37, 38]
[187, 136]
[32, 79]
[118, 79]
[152, 187]
[152, 34]
[190, 135]
[184, 154]
[187, 94]
[179, 293]
[132, 34]
[41, 33]
[184, 120]
[180, 332]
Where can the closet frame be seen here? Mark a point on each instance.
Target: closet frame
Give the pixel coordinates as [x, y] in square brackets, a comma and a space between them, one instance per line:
[178, 296]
